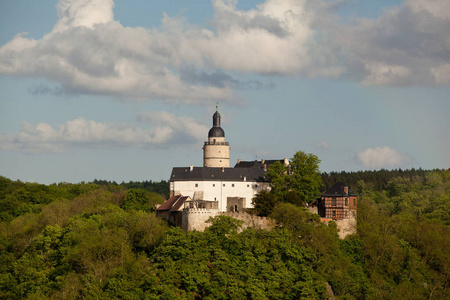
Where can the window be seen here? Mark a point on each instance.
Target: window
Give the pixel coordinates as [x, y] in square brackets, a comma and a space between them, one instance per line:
[248, 185]
[346, 214]
[256, 186]
[214, 184]
[224, 184]
[346, 201]
[333, 201]
[232, 185]
[354, 202]
[196, 185]
[334, 214]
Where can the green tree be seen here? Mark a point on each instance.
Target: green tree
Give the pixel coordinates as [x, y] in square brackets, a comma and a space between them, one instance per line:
[263, 203]
[298, 182]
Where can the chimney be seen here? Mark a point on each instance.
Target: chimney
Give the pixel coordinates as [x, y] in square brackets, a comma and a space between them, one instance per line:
[286, 162]
[265, 167]
[346, 190]
[191, 168]
[263, 160]
[239, 160]
[245, 178]
[223, 169]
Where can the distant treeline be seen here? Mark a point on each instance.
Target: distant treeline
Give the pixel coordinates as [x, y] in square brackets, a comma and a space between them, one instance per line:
[161, 187]
[376, 180]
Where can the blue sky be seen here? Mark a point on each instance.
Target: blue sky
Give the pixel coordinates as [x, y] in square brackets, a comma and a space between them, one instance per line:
[125, 90]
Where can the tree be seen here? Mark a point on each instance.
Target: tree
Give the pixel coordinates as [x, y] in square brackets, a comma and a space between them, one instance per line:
[263, 203]
[301, 178]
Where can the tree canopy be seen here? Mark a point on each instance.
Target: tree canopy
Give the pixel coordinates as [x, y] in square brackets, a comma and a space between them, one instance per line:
[297, 183]
[90, 241]
[301, 177]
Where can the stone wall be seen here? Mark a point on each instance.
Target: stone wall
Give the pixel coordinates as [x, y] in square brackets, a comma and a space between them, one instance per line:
[195, 219]
[347, 226]
[251, 220]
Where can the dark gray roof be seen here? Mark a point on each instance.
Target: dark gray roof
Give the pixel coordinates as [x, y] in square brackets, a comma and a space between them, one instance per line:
[337, 190]
[257, 163]
[217, 174]
[216, 132]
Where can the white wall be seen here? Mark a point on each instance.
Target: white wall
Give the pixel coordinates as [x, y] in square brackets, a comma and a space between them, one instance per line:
[220, 190]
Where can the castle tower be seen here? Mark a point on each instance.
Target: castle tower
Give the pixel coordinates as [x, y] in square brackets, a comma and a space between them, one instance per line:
[216, 152]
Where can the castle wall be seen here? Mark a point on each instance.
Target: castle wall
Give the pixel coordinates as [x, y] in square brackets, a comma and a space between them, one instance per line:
[195, 219]
[251, 220]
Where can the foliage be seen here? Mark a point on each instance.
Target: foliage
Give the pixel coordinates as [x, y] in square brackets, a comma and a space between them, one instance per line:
[161, 187]
[93, 241]
[263, 203]
[139, 199]
[298, 182]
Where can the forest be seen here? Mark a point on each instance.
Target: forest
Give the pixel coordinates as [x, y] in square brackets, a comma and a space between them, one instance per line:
[102, 240]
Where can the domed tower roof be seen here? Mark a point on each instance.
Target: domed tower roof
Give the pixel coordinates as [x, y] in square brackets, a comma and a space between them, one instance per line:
[216, 130]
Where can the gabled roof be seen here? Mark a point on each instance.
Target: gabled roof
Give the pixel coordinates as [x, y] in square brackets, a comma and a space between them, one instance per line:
[167, 205]
[173, 203]
[217, 174]
[337, 190]
[179, 203]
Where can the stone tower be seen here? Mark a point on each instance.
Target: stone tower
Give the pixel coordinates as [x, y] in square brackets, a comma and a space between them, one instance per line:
[216, 152]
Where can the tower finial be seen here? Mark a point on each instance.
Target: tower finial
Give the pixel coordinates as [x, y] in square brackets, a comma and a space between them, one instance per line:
[217, 106]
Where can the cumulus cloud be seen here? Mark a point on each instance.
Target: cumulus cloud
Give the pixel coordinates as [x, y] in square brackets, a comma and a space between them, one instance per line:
[182, 127]
[407, 45]
[167, 128]
[381, 157]
[89, 52]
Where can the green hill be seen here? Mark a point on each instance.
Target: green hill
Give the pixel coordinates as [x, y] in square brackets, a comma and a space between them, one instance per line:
[101, 240]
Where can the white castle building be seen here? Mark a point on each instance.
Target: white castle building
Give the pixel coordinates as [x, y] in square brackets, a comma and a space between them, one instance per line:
[230, 189]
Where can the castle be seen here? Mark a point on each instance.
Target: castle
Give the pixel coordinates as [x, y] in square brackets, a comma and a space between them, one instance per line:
[197, 193]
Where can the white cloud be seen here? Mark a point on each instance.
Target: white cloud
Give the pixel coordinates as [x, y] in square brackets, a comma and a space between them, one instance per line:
[381, 157]
[185, 127]
[89, 52]
[406, 45]
[167, 128]
[74, 13]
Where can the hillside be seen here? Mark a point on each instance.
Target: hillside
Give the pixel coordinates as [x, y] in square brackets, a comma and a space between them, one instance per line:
[102, 240]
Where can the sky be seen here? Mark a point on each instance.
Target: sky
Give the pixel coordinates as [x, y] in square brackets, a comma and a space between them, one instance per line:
[125, 90]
